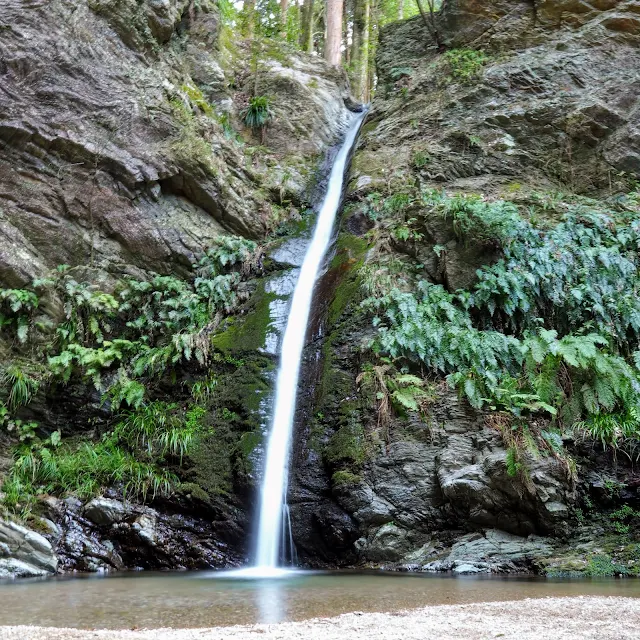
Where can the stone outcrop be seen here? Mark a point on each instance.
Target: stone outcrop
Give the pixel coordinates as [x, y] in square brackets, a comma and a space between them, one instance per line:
[107, 534]
[492, 551]
[24, 553]
[117, 135]
[557, 100]
[552, 105]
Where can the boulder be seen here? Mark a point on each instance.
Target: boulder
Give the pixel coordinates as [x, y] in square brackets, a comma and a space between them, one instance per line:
[388, 544]
[492, 551]
[24, 552]
[104, 511]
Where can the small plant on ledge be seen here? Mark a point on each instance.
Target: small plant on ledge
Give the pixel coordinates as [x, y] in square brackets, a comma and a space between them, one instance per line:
[257, 114]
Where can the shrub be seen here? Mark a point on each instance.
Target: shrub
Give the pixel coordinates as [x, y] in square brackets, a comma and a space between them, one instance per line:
[529, 337]
[20, 387]
[258, 114]
[602, 566]
[84, 471]
[466, 64]
[160, 429]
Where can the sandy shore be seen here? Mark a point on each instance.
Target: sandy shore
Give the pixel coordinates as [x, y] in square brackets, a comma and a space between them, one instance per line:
[552, 618]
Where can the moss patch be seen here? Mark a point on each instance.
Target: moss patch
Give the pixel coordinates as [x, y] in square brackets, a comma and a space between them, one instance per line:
[347, 446]
[221, 462]
[248, 332]
[345, 479]
[350, 254]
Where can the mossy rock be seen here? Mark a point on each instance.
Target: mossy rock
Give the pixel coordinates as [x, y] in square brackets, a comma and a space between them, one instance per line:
[249, 331]
[347, 446]
[345, 479]
[221, 462]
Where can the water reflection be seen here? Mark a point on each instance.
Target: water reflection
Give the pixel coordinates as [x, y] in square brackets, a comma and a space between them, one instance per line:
[206, 599]
[270, 602]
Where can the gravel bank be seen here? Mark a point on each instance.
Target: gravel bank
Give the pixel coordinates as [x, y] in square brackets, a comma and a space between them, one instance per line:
[557, 618]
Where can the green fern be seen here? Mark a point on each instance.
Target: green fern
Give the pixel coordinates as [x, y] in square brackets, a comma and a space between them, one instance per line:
[125, 391]
[528, 338]
[17, 309]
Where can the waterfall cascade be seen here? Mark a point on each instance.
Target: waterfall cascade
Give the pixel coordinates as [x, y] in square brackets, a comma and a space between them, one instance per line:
[273, 507]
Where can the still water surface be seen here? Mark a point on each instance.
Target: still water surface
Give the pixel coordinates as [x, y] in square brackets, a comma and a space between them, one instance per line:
[206, 599]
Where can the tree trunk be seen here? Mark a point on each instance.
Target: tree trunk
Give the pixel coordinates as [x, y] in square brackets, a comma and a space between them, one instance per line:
[374, 34]
[346, 49]
[306, 32]
[360, 50]
[400, 9]
[430, 21]
[248, 19]
[334, 32]
[284, 8]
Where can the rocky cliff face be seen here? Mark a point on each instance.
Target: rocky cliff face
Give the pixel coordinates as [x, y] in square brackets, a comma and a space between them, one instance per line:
[557, 101]
[550, 104]
[124, 153]
[118, 123]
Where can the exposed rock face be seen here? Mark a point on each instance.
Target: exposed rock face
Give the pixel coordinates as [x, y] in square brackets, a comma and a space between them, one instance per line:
[556, 102]
[113, 151]
[107, 534]
[24, 553]
[492, 551]
[446, 476]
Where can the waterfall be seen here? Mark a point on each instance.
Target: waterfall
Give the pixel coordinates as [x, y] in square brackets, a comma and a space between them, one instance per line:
[273, 507]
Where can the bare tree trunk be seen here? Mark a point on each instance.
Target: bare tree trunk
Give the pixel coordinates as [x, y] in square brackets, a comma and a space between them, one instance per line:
[306, 32]
[430, 21]
[374, 32]
[400, 9]
[248, 21]
[360, 49]
[334, 32]
[345, 33]
[284, 8]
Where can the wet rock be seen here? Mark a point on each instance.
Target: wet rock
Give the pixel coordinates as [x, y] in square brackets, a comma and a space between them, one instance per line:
[103, 511]
[291, 251]
[106, 534]
[24, 552]
[145, 528]
[297, 87]
[337, 527]
[367, 507]
[492, 551]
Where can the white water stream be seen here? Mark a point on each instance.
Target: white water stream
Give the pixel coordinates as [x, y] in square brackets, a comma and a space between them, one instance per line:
[274, 484]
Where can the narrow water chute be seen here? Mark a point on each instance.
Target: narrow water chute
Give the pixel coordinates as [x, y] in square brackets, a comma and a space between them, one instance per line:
[274, 484]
